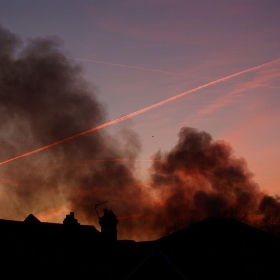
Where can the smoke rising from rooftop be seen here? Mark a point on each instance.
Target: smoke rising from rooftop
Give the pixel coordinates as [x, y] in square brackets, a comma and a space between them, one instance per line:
[201, 177]
[44, 98]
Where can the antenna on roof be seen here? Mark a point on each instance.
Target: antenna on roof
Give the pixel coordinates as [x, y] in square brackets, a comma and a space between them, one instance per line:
[96, 205]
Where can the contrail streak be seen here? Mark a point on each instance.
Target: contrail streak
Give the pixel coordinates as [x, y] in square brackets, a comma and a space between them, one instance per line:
[114, 160]
[158, 71]
[136, 113]
[130, 66]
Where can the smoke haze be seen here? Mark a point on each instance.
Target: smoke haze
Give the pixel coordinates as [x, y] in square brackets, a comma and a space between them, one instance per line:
[44, 98]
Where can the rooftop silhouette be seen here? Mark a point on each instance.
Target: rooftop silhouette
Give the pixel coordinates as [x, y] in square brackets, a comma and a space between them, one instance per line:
[217, 248]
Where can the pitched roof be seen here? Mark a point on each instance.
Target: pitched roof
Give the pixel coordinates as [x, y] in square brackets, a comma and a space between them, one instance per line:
[31, 219]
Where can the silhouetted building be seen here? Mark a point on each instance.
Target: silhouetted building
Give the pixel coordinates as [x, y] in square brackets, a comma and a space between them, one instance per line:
[214, 248]
[108, 223]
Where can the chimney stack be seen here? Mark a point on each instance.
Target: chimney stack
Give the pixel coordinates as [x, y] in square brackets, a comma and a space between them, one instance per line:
[70, 220]
[108, 223]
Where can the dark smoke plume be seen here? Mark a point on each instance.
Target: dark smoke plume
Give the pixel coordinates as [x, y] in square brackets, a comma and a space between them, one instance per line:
[44, 98]
[201, 177]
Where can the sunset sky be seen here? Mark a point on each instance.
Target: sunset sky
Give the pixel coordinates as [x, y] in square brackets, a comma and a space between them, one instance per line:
[138, 53]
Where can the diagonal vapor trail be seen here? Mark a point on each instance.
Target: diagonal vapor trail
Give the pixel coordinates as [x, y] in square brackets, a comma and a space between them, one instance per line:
[138, 112]
[157, 70]
[129, 66]
[113, 160]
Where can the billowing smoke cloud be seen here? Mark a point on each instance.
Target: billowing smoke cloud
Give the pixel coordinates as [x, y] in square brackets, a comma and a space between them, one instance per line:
[44, 98]
[201, 177]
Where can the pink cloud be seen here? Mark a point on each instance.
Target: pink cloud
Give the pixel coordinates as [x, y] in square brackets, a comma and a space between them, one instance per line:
[257, 139]
[201, 23]
[260, 79]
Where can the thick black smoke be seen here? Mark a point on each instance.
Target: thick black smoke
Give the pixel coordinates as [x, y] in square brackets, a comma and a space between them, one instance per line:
[201, 177]
[43, 99]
